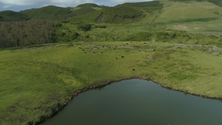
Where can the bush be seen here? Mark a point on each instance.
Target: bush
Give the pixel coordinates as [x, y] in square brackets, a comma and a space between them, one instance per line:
[65, 21]
[100, 26]
[58, 25]
[84, 27]
[75, 35]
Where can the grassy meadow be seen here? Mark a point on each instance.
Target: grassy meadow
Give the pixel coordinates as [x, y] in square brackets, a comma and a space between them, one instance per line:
[175, 44]
[36, 82]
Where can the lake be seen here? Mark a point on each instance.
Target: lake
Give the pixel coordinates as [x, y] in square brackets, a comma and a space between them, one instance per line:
[138, 102]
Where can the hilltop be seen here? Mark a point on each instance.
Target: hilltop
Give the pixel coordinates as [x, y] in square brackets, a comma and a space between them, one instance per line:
[48, 12]
[88, 5]
[9, 16]
[216, 2]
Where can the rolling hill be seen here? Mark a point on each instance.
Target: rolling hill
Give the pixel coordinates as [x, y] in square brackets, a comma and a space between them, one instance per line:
[216, 2]
[48, 12]
[191, 11]
[88, 5]
[123, 14]
[147, 6]
[9, 16]
[82, 10]
[119, 15]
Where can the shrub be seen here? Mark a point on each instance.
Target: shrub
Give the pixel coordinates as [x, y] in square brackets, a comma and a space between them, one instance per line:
[75, 35]
[100, 26]
[58, 25]
[84, 27]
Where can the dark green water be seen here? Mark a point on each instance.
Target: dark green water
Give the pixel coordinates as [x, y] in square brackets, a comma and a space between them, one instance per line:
[138, 102]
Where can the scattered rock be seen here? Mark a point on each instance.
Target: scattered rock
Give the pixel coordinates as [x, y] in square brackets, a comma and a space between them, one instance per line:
[216, 53]
[180, 46]
[150, 57]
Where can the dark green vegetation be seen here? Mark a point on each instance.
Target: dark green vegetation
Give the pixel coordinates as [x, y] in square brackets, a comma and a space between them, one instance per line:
[15, 34]
[177, 45]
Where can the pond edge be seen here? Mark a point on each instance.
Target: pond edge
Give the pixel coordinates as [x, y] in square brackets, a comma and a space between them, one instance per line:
[103, 84]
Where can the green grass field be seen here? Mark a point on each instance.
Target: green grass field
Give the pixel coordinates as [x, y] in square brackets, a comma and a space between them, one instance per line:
[36, 82]
[193, 17]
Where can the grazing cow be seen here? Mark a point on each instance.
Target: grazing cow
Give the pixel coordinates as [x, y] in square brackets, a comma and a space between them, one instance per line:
[134, 69]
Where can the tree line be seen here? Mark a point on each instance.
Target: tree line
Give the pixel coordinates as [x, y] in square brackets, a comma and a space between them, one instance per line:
[15, 34]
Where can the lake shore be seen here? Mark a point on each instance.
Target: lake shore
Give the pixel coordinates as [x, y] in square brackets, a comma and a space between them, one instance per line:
[103, 84]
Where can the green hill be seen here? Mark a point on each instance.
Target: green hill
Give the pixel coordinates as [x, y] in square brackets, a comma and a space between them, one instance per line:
[49, 12]
[9, 16]
[147, 6]
[143, 4]
[82, 10]
[191, 11]
[88, 5]
[123, 14]
[119, 15]
[216, 2]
